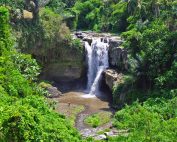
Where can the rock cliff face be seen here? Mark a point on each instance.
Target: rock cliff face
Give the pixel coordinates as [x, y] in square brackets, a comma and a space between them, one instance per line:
[112, 78]
[63, 71]
[62, 65]
[67, 71]
[118, 58]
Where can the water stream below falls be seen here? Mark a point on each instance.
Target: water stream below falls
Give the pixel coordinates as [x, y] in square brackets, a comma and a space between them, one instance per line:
[97, 61]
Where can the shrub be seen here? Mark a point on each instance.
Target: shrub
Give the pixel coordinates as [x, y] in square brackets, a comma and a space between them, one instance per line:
[155, 120]
[98, 119]
[30, 119]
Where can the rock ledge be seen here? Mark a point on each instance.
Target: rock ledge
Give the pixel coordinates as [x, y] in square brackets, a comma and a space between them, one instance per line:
[112, 78]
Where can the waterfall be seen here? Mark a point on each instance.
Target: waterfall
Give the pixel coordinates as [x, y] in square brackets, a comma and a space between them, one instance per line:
[97, 60]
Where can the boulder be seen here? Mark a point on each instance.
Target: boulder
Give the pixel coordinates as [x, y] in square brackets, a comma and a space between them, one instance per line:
[53, 92]
[27, 15]
[84, 37]
[100, 137]
[112, 78]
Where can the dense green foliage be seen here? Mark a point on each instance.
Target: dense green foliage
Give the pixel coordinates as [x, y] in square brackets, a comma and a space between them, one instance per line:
[99, 15]
[48, 34]
[30, 119]
[24, 114]
[150, 38]
[149, 30]
[13, 4]
[155, 120]
[46, 31]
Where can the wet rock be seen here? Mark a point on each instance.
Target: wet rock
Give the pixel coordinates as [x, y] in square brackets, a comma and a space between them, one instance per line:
[112, 78]
[80, 35]
[88, 133]
[100, 137]
[109, 133]
[53, 92]
[104, 39]
[88, 39]
[112, 133]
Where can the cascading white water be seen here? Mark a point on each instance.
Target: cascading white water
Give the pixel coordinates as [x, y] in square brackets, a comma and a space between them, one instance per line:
[90, 74]
[97, 59]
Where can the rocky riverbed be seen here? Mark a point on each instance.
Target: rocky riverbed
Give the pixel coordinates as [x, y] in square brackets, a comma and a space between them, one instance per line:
[76, 107]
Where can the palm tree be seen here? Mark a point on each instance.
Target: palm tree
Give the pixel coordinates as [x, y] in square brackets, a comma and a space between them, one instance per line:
[137, 7]
[132, 6]
[155, 4]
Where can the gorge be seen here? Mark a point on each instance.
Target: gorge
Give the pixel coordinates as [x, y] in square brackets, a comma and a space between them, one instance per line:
[88, 70]
[100, 78]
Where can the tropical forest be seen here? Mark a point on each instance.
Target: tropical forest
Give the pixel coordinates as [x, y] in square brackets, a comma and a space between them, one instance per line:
[88, 70]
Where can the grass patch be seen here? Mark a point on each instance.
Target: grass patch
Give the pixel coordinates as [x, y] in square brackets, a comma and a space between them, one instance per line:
[98, 119]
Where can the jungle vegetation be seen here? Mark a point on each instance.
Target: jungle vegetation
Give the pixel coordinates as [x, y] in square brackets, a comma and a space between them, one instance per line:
[149, 29]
